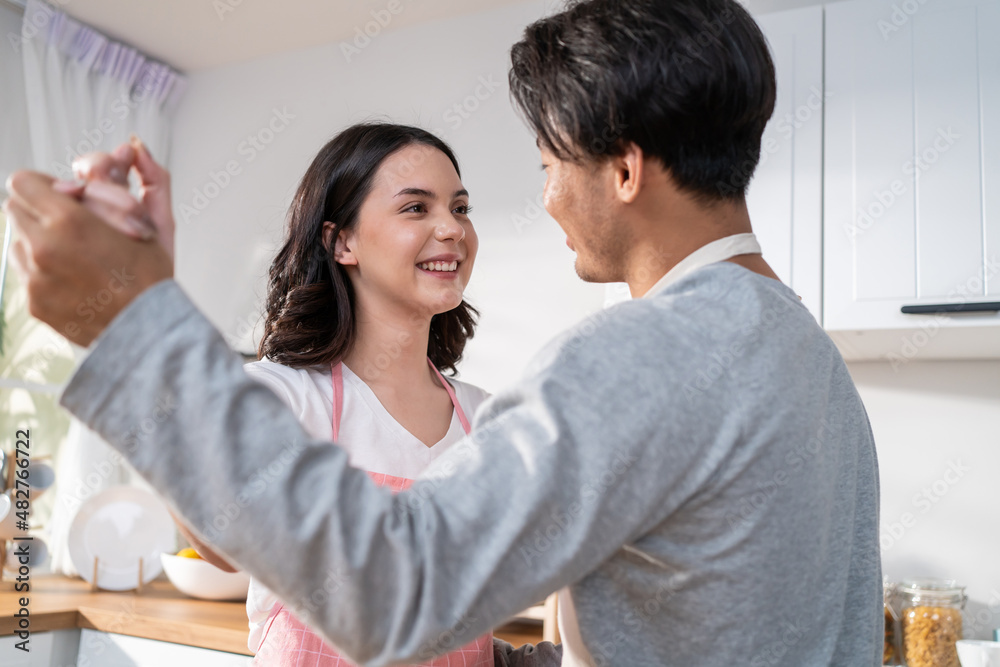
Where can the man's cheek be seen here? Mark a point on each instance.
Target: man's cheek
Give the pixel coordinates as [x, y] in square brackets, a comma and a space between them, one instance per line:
[553, 197]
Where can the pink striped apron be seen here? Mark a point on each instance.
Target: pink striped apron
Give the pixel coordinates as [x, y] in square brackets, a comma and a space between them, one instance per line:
[287, 642]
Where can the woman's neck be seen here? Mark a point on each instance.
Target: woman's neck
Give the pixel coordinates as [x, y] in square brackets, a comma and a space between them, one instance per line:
[390, 348]
[390, 355]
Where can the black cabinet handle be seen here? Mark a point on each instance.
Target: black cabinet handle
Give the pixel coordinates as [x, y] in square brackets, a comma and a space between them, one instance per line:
[982, 307]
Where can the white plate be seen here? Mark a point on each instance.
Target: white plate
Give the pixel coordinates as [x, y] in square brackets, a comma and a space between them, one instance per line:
[119, 526]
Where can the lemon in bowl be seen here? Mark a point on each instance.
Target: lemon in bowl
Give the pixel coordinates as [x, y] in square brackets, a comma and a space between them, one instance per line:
[195, 576]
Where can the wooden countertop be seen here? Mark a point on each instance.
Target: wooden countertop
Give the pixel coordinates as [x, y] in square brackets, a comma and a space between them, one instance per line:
[159, 612]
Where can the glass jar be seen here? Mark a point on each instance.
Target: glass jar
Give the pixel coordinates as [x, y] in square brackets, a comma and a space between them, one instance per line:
[893, 648]
[931, 620]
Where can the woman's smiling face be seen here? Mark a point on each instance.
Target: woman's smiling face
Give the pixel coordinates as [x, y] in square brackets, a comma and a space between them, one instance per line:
[413, 245]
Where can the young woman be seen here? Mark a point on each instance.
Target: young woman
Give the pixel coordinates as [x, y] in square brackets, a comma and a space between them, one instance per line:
[365, 314]
[365, 310]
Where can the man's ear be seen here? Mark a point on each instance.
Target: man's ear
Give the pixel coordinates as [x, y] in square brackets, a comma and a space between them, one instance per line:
[629, 173]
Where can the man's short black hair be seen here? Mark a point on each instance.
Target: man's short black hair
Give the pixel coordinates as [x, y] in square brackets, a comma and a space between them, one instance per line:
[691, 82]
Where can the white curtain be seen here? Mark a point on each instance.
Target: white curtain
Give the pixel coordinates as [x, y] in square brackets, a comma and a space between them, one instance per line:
[86, 92]
[16, 151]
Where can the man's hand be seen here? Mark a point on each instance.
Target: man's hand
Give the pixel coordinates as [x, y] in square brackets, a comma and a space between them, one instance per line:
[103, 188]
[79, 271]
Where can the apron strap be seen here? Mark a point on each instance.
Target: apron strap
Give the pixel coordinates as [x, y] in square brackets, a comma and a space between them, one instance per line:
[454, 400]
[337, 379]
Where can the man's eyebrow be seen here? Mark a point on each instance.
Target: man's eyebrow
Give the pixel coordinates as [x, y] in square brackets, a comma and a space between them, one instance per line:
[420, 192]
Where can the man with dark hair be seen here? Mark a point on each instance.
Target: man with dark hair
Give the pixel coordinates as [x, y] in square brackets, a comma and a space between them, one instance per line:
[693, 469]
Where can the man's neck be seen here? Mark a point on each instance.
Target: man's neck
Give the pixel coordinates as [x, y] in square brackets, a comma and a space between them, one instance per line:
[661, 247]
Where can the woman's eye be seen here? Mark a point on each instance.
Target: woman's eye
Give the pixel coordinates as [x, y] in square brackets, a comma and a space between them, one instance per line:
[414, 208]
[464, 209]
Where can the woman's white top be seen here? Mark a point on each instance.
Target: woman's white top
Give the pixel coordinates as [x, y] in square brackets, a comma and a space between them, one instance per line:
[374, 441]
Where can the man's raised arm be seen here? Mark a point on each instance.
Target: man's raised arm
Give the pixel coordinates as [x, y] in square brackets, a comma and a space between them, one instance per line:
[385, 578]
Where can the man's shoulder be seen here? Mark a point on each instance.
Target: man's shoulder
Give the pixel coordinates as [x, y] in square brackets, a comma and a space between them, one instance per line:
[715, 308]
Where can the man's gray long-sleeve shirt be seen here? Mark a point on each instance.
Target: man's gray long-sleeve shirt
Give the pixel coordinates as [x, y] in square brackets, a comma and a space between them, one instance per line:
[696, 467]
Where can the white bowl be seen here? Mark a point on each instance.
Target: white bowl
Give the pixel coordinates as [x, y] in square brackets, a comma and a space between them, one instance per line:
[200, 579]
[976, 653]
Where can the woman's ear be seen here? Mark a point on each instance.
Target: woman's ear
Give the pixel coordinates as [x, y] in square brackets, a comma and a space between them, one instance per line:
[342, 249]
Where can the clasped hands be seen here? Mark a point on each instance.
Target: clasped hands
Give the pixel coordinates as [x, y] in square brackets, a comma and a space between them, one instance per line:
[85, 249]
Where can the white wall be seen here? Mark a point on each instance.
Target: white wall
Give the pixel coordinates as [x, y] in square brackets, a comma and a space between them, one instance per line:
[925, 415]
[523, 283]
[937, 431]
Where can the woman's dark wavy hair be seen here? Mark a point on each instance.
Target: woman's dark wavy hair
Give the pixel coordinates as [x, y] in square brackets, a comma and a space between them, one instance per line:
[310, 318]
[691, 82]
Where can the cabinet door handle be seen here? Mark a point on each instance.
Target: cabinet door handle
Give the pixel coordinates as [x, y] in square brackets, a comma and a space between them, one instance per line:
[925, 309]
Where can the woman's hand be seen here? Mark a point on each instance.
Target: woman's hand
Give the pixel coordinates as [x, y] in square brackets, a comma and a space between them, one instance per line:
[203, 549]
[103, 188]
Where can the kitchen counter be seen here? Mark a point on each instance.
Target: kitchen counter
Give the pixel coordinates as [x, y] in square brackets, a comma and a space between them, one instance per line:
[159, 612]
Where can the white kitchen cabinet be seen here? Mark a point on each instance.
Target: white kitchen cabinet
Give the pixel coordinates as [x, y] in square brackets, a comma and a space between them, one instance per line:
[113, 650]
[785, 196]
[912, 177]
[87, 648]
[55, 648]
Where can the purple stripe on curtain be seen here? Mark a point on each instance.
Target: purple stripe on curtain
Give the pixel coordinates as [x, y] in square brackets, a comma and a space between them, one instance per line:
[147, 78]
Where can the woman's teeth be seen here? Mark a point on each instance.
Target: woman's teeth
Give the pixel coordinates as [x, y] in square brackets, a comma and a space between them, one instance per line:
[438, 266]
